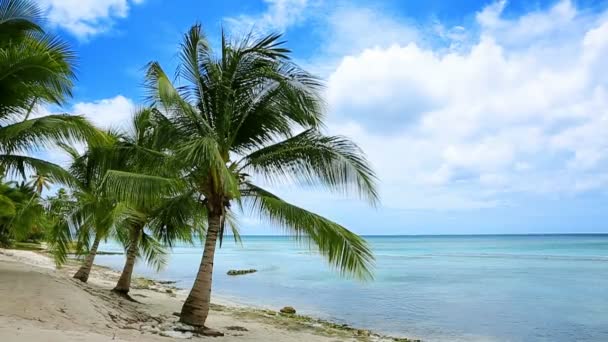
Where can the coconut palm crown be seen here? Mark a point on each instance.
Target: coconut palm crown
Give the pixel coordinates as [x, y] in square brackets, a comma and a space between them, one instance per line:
[232, 119]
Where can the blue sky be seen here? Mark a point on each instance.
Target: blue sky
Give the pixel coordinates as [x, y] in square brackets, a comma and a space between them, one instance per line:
[479, 116]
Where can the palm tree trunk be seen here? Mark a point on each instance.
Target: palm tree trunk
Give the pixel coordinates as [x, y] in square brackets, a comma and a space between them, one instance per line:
[196, 307]
[85, 269]
[124, 283]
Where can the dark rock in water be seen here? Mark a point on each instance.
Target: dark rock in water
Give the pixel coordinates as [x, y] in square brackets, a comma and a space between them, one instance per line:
[240, 272]
[288, 310]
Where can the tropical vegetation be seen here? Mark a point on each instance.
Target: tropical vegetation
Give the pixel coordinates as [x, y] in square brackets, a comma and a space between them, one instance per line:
[22, 214]
[36, 68]
[203, 153]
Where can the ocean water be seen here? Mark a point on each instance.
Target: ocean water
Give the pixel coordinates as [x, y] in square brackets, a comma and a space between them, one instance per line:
[437, 288]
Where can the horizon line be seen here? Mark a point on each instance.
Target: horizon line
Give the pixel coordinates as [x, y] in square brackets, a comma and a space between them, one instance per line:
[423, 235]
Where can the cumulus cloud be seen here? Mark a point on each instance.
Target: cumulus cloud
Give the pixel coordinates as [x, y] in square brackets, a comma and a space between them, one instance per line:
[111, 113]
[85, 18]
[352, 29]
[114, 112]
[522, 108]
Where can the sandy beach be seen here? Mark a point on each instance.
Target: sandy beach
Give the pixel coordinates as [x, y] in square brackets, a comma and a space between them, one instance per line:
[41, 303]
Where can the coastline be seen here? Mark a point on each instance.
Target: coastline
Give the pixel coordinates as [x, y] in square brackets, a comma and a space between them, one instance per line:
[157, 302]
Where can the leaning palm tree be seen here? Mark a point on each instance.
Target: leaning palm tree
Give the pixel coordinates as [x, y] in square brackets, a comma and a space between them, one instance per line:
[234, 119]
[146, 229]
[35, 69]
[93, 211]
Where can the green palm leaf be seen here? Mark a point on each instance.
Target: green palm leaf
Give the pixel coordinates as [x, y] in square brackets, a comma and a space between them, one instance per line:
[311, 158]
[141, 189]
[343, 249]
[20, 165]
[36, 133]
[18, 17]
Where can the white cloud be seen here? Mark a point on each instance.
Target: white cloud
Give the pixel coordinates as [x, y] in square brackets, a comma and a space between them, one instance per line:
[115, 113]
[523, 108]
[353, 29]
[279, 15]
[85, 18]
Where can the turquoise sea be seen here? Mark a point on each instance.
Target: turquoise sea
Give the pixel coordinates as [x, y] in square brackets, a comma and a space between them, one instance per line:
[437, 288]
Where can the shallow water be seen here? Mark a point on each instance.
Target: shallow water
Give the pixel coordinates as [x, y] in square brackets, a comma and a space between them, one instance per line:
[439, 288]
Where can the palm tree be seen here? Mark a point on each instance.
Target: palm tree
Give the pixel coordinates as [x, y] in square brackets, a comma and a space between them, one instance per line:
[35, 69]
[93, 211]
[234, 118]
[146, 231]
[144, 228]
[59, 234]
[147, 228]
[40, 183]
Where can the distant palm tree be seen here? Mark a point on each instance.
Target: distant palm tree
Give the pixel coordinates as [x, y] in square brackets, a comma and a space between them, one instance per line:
[35, 68]
[40, 182]
[234, 118]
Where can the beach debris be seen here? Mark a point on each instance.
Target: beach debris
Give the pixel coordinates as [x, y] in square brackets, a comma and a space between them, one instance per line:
[149, 329]
[240, 272]
[289, 310]
[178, 326]
[236, 328]
[176, 334]
[211, 332]
[130, 327]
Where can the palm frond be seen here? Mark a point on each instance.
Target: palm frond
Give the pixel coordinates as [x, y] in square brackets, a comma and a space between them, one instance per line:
[232, 222]
[177, 218]
[44, 131]
[343, 249]
[162, 93]
[140, 189]
[36, 66]
[19, 166]
[205, 154]
[153, 252]
[311, 158]
[59, 238]
[18, 18]
[194, 48]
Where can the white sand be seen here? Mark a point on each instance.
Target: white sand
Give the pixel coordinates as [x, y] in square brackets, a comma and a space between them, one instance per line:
[39, 303]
